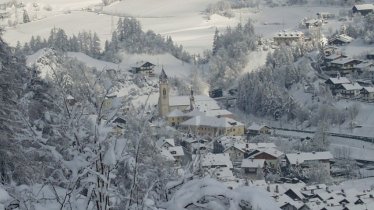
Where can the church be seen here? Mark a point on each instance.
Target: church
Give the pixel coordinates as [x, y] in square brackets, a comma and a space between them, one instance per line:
[198, 114]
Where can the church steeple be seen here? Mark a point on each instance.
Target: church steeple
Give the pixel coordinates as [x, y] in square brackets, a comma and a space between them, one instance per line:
[163, 77]
[192, 100]
[163, 100]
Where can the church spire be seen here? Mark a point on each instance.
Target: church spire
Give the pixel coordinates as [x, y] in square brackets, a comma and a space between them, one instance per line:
[163, 77]
[192, 101]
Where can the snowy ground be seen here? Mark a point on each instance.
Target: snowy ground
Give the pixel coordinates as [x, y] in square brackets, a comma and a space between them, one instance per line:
[184, 21]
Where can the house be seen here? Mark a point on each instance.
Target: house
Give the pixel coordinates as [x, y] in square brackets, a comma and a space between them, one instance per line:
[367, 94]
[325, 15]
[177, 152]
[306, 159]
[349, 90]
[370, 55]
[216, 161]
[213, 126]
[70, 100]
[252, 166]
[239, 151]
[256, 129]
[334, 83]
[312, 23]
[165, 143]
[144, 67]
[362, 67]
[270, 155]
[332, 56]
[363, 9]
[329, 50]
[341, 39]
[288, 37]
[195, 145]
[344, 65]
[216, 93]
[236, 152]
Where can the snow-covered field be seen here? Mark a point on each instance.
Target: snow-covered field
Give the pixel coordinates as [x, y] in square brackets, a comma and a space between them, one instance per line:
[184, 21]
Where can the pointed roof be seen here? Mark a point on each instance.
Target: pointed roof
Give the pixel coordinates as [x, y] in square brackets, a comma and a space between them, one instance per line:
[163, 77]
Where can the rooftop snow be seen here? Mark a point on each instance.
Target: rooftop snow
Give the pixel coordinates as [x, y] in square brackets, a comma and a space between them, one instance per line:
[176, 151]
[342, 61]
[222, 122]
[256, 127]
[339, 80]
[364, 6]
[176, 113]
[354, 86]
[203, 103]
[216, 160]
[298, 158]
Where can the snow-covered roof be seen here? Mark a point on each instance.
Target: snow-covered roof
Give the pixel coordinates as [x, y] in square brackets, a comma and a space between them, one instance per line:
[218, 112]
[339, 80]
[364, 6]
[251, 146]
[253, 163]
[176, 113]
[256, 127]
[216, 160]
[221, 122]
[194, 113]
[333, 56]
[298, 158]
[161, 142]
[202, 103]
[369, 89]
[271, 151]
[343, 38]
[354, 86]
[342, 61]
[176, 151]
[166, 154]
[289, 34]
[223, 174]
[364, 65]
[313, 21]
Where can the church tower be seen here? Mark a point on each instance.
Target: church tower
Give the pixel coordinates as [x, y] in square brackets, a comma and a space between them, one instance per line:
[192, 101]
[163, 100]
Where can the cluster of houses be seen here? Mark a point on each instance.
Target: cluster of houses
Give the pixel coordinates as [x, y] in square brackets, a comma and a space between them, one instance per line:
[337, 63]
[298, 196]
[342, 87]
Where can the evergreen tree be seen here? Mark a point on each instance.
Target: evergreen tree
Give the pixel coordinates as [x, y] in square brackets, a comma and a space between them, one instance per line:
[26, 17]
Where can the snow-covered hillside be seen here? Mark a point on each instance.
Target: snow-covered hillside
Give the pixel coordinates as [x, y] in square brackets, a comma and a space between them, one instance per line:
[184, 21]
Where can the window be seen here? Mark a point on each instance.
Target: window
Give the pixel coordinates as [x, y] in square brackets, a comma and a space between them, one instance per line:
[164, 92]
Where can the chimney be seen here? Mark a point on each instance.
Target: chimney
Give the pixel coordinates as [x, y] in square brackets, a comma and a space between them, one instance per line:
[276, 189]
[247, 146]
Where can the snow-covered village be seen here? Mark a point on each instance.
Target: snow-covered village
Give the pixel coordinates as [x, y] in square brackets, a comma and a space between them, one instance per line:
[187, 105]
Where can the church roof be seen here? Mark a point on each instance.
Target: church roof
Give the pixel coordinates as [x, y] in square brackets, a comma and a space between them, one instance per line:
[202, 103]
[163, 77]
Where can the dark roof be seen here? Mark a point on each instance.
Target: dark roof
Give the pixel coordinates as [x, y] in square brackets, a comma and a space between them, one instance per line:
[163, 77]
[148, 64]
